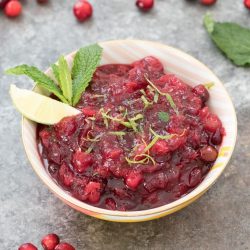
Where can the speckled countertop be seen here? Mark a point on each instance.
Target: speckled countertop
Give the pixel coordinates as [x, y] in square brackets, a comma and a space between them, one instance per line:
[219, 220]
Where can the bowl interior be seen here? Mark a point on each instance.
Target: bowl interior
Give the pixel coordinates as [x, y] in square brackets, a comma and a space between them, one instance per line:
[185, 67]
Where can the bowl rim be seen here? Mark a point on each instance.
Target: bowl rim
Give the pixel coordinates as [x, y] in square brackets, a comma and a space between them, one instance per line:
[77, 204]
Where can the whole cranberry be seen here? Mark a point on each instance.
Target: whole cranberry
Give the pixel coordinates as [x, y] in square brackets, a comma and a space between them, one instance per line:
[64, 246]
[195, 177]
[247, 4]
[50, 241]
[208, 2]
[208, 153]
[82, 10]
[27, 246]
[13, 8]
[145, 5]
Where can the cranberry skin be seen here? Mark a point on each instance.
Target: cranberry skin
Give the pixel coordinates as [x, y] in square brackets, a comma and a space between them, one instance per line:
[145, 4]
[247, 4]
[82, 10]
[66, 127]
[208, 153]
[64, 246]
[195, 177]
[50, 241]
[27, 246]
[133, 179]
[93, 191]
[217, 137]
[110, 204]
[160, 148]
[208, 2]
[201, 91]
[13, 8]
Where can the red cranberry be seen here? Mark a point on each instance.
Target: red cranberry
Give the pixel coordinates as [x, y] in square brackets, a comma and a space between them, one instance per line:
[13, 8]
[64, 246]
[195, 177]
[27, 246]
[89, 111]
[50, 241]
[212, 123]
[201, 91]
[66, 127]
[133, 179]
[113, 153]
[145, 4]
[93, 191]
[82, 10]
[45, 136]
[207, 2]
[81, 161]
[217, 137]
[208, 153]
[247, 3]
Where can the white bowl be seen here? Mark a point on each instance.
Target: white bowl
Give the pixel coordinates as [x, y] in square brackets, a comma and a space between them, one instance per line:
[188, 69]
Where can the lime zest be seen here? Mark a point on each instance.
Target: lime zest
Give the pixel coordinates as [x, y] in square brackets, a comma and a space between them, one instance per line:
[168, 96]
[118, 133]
[209, 85]
[146, 102]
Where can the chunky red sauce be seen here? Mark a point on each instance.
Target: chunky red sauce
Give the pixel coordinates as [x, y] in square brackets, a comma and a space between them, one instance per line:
[144, 139]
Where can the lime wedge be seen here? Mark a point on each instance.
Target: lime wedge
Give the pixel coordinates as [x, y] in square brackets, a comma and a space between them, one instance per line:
[40, 108]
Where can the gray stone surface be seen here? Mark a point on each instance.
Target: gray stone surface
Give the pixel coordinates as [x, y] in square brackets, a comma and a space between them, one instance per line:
[219, 220]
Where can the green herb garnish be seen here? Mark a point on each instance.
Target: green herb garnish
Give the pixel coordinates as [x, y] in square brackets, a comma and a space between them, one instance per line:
[232, 39]
[69, 85]
[118, 133]
[164, 116]
[168, 96]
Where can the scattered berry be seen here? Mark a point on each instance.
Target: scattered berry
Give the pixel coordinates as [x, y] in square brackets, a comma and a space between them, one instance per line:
[27, 246]
[13, 8]
[64, 246]
[145, 4]
[208, 153]
[208, 2]
[247, 3]
[82, 10]
[50, 241]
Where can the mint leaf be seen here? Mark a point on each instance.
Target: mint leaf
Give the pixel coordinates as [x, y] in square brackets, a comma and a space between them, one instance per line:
[41, 79]
[164, 116]
[232, 39]
[56, 72]
[65, 78]
[84, 65]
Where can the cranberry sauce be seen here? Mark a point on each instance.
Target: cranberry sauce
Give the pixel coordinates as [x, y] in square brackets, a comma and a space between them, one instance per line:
[144, 139]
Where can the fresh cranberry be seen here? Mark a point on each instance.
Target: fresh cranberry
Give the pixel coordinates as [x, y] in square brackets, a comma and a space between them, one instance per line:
[50, 241]
[195, 177]
[145, 4]
[82, 10]
[66, 176]
[247, 3]
[133, 179]
[113, 153]
[217, 137]
[27, 246]
[201, 91]
[110, 204]
[207, 2]
[81, 161]
[93, 191]
[208, 153]
[66, 127]
[64, 246]
[160, 147]
[13, 8]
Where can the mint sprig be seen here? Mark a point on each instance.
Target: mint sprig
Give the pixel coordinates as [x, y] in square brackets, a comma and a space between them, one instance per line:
[232, 39]
[68, 85]
[41, 79]
[84, 66]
